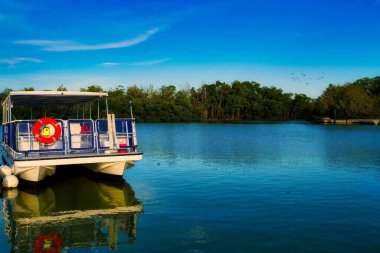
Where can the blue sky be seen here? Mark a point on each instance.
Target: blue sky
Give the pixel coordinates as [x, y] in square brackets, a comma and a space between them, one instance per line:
[297, 45]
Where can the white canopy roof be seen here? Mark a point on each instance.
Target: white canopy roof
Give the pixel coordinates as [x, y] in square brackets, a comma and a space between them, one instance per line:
[52, 97]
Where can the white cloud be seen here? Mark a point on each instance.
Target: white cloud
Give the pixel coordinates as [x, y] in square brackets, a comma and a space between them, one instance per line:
[45, 43]
[67, 45]
[17, 60]
[139, 63]
[109, 64]
[152, 62]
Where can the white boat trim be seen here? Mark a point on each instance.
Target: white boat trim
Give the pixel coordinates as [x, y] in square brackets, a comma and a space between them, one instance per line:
[80, 160]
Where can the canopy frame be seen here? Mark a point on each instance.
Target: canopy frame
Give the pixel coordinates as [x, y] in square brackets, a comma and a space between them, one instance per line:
[44, 98]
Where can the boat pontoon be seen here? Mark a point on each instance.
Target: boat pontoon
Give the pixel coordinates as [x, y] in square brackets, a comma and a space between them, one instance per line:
[34, 147]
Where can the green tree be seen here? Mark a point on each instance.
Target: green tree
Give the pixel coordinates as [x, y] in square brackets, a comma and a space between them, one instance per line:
[92, 88]
[302, 107]
[61, 88]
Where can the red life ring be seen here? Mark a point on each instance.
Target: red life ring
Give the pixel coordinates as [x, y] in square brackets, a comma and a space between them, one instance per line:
[46, 138]
[47, 244]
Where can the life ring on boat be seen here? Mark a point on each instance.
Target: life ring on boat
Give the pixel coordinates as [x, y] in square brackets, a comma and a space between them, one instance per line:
[45, 136]
[47, 244]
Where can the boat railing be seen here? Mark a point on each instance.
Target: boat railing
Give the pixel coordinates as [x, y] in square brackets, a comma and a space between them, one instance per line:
[6, 135]
[125, 134]
[19, 136]
[81, 134]
[78, 136]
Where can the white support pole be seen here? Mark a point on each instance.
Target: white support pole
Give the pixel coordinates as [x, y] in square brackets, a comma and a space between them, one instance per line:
[107, 106]
[98, 109]
[131, 108]
[9, 111]
[4, 112]
[112, 138]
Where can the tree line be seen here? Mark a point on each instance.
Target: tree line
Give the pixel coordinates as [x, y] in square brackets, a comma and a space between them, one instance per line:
[238, 101]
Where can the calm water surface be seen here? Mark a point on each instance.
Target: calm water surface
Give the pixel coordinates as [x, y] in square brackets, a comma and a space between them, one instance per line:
[216, 188]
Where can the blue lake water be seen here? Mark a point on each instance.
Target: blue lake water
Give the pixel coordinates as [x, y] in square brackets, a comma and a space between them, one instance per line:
[219, 188]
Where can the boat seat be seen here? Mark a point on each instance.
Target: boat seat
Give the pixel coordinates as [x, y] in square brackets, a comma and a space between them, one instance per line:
[123, 140]
[23, 145]
[35, 145]
[75, 135]
[75, 128]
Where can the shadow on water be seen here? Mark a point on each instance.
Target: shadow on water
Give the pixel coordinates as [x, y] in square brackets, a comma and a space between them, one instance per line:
[75, 211]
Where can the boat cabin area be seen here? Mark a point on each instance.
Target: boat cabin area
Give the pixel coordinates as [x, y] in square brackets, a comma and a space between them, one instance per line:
[63, 123]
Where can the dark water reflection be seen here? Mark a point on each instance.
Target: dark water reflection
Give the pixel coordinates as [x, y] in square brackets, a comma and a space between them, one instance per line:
[75, 213]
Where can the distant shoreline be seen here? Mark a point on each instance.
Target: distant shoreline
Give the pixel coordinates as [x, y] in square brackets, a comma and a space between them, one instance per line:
[271, 121]
[245, 101]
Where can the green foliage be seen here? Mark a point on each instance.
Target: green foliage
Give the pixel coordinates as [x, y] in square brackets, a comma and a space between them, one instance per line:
[28, 89]
[221, 101]
[61, 88]
[352, 100]
[92, 88]
[3, 95]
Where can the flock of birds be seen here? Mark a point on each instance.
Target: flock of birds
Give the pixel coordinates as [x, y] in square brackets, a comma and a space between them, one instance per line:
[303, 78]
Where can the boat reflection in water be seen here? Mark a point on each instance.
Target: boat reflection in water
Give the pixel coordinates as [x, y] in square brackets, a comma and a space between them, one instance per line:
[71, 213]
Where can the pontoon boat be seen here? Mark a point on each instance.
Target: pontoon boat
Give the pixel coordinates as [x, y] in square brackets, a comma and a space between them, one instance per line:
[34, 147]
